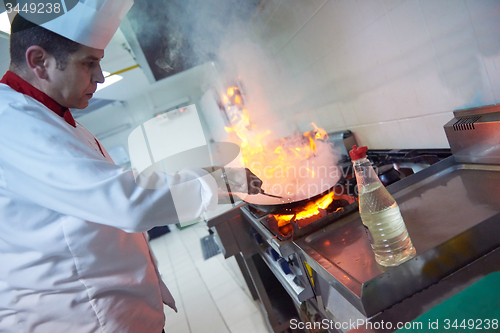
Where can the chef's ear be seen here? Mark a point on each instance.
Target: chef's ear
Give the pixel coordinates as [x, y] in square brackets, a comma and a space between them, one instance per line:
[38, 60]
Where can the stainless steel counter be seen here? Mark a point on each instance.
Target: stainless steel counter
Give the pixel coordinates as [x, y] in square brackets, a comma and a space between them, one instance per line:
[451, 211]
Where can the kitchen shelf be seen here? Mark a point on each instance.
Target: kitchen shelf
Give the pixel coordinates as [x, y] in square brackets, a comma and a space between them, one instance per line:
[298, 293]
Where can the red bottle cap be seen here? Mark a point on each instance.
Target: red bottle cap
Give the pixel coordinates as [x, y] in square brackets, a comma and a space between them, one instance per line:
[357, 153]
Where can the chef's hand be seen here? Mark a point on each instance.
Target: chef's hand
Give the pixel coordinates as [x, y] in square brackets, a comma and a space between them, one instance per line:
[242, 180]
[234, 180]
[254, 183]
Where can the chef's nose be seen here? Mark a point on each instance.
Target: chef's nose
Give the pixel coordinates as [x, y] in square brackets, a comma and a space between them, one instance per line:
[97, 75]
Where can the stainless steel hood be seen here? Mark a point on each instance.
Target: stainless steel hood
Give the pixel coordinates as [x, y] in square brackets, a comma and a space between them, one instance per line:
[170, 36]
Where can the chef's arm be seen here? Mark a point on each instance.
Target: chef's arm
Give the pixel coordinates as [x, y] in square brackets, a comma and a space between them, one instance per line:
[56, 170]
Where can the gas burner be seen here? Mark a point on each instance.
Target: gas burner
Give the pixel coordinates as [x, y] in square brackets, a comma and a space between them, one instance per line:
[425, 157]
[255, 212]
[391, 166]
[388, 174]
[296, 228]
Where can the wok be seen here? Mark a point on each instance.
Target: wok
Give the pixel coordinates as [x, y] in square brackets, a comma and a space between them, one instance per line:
[287, 206]
[281, 206]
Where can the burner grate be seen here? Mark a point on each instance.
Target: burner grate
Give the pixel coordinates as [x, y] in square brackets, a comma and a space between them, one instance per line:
[392, 165]
[340, 207]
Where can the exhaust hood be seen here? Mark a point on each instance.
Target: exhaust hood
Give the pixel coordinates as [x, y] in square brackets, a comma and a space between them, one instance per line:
[168, 37]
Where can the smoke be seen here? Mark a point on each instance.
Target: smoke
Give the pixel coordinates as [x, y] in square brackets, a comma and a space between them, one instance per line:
[293, 170]
[178, 34]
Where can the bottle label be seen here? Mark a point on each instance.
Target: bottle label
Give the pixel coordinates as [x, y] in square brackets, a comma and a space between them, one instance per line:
[368, 233]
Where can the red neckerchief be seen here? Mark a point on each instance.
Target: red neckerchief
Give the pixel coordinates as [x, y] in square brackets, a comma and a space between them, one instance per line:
[23, 87]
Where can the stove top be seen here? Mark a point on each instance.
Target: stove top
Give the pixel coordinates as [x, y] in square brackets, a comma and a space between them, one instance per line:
[390, 165]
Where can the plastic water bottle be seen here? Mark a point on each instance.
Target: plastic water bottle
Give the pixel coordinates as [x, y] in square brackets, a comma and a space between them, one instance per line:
[380, 214]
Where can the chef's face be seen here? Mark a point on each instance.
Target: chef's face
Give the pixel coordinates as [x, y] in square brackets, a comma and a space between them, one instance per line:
[74, 86]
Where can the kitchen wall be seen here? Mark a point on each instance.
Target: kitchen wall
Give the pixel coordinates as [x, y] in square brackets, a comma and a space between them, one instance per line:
[113, 123]
[392, 71]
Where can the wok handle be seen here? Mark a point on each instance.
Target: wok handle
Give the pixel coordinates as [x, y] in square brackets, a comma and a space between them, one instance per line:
[269, 195]
[228, 182]
[261, 191]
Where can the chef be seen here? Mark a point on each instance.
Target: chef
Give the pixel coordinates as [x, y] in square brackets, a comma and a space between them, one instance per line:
[73, 253]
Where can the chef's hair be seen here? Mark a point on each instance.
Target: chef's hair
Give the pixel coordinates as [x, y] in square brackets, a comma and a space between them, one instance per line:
[25, 34]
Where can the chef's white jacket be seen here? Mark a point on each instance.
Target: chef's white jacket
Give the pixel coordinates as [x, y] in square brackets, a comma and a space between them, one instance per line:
[73, 253]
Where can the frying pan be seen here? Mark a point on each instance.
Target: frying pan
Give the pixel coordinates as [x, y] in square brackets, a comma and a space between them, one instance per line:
[287, 206]
[281, 206]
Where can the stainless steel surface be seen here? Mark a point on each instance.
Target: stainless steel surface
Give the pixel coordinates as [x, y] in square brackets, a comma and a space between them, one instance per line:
[238, 238]
[246, 275]
[451, 211]
[284, 248]
[224, 235]
[474, 135]
[343, 142]
[475, 111]
[266, 305]
[421, 302]
[297, 293]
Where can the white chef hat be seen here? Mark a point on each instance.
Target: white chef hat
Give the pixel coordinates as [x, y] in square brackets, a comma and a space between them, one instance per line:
[90, 22]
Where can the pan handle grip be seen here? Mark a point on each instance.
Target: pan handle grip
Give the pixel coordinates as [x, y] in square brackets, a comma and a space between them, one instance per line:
[228, 182]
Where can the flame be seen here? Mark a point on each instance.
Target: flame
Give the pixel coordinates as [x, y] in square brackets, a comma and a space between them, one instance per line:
[312, 208]
[237, 99]
[283, 219]
[265, 158]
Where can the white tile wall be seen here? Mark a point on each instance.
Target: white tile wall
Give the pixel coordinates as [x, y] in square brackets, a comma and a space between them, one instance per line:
[390, 70]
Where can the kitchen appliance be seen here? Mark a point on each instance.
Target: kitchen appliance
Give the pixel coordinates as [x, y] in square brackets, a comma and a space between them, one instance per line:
[345, 194]
[451, 208]
[246, 231]
[297, 227]
[343, 142]
[473, 135]
[278, 205]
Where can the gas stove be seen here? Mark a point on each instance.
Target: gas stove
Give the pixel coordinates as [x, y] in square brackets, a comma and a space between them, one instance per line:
[329, 266]
[451, 207]
[390, 165]
[393, 165]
